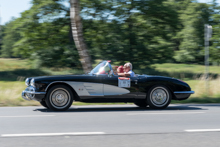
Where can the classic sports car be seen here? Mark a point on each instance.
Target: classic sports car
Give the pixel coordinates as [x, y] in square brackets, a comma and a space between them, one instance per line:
[101, 85]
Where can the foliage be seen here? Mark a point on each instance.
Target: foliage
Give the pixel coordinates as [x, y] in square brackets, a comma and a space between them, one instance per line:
[135, 33]
[143, 32]
[45, 35]
[215, 40]
[191, 37]
[10, 37]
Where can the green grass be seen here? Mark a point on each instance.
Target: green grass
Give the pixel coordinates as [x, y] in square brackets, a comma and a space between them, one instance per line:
[13, 64]
[197, 69]
[14, 71]
[10, 95]
[18, 70]
[181, 71]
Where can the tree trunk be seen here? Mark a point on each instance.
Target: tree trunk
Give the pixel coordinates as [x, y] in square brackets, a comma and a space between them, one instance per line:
[131, 34]
[77, 32]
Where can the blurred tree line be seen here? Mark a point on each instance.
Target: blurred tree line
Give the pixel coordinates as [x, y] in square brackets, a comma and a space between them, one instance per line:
[140, 31]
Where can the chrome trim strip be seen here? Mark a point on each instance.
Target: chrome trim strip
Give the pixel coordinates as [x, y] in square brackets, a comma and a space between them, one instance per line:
[34, 92]
[55, 82]
[184, 92]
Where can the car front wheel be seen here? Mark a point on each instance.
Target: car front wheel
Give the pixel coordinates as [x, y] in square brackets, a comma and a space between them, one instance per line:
[59, 98]
[43, 103]
[159, 97]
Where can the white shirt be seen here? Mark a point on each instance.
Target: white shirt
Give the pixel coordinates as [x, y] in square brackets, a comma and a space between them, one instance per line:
[132, 74]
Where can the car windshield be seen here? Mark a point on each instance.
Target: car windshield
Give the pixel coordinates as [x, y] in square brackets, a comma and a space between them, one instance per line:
[101, 68]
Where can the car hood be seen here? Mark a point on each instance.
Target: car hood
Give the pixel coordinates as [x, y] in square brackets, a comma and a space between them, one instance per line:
[156, 76]
[56, 77]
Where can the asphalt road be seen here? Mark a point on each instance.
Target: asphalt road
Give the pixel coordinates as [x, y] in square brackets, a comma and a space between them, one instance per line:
[111, 126]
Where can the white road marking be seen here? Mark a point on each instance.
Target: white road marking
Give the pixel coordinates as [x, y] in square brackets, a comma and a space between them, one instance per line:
[203, 130]
[26, 116]
[52, 134]
[165, 113]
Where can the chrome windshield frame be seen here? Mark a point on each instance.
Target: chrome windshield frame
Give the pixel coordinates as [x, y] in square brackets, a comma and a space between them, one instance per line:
[106, 64]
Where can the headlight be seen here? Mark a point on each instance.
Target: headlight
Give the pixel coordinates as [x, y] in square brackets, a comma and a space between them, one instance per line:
[33, 83]
[27, 82]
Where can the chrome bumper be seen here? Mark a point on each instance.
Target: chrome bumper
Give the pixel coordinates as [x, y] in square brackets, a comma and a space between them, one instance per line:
[184, 92]
[182, 95]
[29, 93]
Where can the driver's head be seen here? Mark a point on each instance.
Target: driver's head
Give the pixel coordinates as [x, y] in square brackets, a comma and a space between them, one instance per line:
[127, 67]
[120, 69]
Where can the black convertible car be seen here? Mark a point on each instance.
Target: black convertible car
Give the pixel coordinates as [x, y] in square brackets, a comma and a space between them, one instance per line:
[101, 85]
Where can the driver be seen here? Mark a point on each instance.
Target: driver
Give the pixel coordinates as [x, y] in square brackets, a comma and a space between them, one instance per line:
[127, 71]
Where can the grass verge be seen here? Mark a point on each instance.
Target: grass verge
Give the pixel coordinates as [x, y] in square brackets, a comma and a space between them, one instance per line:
[14, 71]
[10, 94]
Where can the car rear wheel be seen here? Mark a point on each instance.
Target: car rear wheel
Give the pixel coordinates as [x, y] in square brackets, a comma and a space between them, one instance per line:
[59, 98]
[141, 104]
[159, 97]
[43, 103]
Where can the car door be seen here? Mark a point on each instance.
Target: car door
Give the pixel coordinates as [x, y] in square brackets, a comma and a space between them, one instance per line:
[87, 86]
[113, 89]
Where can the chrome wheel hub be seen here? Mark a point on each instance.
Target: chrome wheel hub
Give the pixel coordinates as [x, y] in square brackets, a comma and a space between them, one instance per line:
[159, 96]
[60, 98]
